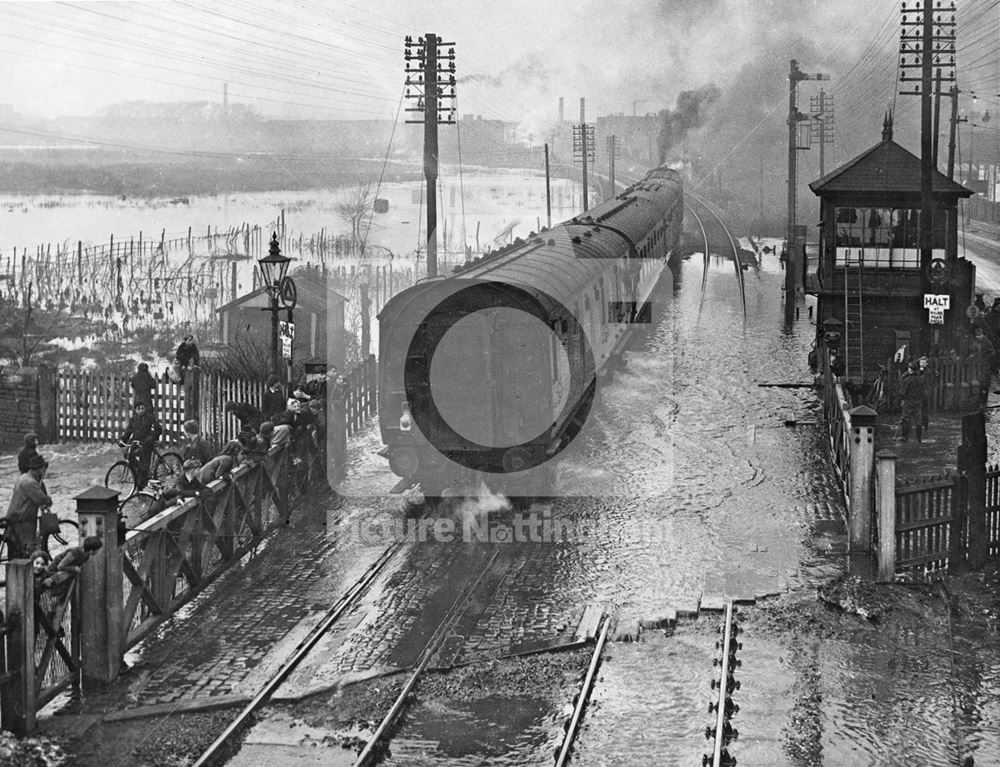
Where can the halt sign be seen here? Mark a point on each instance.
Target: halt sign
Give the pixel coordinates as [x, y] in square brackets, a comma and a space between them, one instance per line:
[936, 304]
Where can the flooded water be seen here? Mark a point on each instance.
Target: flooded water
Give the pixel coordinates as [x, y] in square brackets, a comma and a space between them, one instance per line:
[481, 208]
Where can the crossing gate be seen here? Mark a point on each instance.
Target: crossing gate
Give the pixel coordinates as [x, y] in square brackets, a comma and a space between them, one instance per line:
[40, 651]
[95, 407]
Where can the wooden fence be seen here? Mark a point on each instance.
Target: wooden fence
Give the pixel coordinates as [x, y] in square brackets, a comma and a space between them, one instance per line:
[951, 384]
[930, 523]
[214, 391]
[42, 645]
[126, 591]
[174, 555]
[836, 408]
[361, 397]
[993, 510]
[94, 407]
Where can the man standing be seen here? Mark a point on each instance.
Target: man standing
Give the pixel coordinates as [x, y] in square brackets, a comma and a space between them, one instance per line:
[144, 428]
[274, 398]
[143, 384]
[912, 393]
[28, 497]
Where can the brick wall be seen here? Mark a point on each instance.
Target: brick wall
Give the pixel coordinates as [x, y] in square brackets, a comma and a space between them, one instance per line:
[20, 409]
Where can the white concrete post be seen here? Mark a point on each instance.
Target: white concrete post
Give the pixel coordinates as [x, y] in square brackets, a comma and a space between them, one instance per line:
[885, 511]
[862, 478]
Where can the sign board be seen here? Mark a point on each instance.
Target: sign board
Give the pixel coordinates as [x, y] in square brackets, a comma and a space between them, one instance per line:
[936, 316]
[935, 301]
[286, 332]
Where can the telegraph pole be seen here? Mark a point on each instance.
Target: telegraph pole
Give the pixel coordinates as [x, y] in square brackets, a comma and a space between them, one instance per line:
[613, 152]
[548, 190]
[583, 146]
[937, 117]
[795, 76]
[925, 42]
[821, 110]
[955, 120]
[433, 81]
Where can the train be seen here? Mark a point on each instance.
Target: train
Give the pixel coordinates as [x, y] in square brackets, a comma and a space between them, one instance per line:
[488, 373]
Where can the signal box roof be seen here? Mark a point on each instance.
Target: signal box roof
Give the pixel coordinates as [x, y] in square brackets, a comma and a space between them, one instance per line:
[885, 168]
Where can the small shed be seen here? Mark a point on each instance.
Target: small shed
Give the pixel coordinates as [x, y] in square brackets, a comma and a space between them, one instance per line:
[318, 317]
[869, 274]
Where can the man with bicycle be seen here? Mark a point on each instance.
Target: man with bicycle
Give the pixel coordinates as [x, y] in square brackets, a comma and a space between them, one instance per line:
[28, 497]
[146, 430]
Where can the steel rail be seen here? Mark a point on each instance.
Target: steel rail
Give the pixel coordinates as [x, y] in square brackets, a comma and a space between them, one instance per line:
[370, 753]
[705, 261]
[720, 714]
[300, 652]
[581, 702]
[736, 252]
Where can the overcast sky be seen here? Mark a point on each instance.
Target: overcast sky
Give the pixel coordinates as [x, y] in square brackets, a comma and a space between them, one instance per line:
[514, 58]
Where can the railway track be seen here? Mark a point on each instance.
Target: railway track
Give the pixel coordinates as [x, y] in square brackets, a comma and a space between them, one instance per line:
[573, 725]
[732, 244]
[218, 749]
[378, 743]
[721, 733]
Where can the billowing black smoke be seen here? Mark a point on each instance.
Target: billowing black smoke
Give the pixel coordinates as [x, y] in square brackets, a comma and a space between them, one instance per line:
[688, 113]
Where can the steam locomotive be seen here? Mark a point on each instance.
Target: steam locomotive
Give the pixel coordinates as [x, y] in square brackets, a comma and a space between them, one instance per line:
[488, 373]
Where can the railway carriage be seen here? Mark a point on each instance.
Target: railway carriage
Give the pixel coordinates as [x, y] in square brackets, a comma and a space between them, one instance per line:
[487, 373]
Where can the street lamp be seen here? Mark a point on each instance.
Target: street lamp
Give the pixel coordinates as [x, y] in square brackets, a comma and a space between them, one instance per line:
[273, 268]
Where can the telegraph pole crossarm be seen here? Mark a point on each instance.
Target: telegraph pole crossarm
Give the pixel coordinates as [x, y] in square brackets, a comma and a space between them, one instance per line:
[430, 78]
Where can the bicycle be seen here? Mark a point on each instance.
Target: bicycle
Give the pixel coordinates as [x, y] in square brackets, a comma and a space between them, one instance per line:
[135, 508]
[124, 475]
[54, 539]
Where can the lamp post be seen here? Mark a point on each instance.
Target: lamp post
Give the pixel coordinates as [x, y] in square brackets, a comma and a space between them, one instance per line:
[272, 268]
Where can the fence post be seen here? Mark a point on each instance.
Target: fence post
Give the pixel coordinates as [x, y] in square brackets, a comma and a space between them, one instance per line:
[47, 388]
[101, 589]
[972, 458]
[192, 395]
[861, 480]
[18, 696]
[885, 505]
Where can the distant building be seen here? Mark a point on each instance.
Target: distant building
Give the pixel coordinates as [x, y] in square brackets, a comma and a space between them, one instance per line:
[318, 318]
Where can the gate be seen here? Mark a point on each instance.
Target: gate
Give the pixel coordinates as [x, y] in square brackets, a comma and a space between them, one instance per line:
[930, 529]
[41, 651]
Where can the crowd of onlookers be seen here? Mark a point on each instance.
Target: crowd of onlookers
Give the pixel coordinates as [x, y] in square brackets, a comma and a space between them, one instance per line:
[295, 418]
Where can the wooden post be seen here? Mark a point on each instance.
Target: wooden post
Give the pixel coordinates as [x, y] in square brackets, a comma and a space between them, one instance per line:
[973, 451]
[192, 394]
[18, 697]
[885, 506]
[861, 482]
[366, 307]
[101, 590]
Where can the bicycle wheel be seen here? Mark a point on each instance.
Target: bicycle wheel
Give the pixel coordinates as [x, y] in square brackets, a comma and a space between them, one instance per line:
[121, 477]
[166, 465]
[4, 547]
[135, 510]
[66, 536]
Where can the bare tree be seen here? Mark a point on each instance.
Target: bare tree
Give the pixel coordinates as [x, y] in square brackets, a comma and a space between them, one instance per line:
[355, 205]
[247, 357]
[24, 332]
